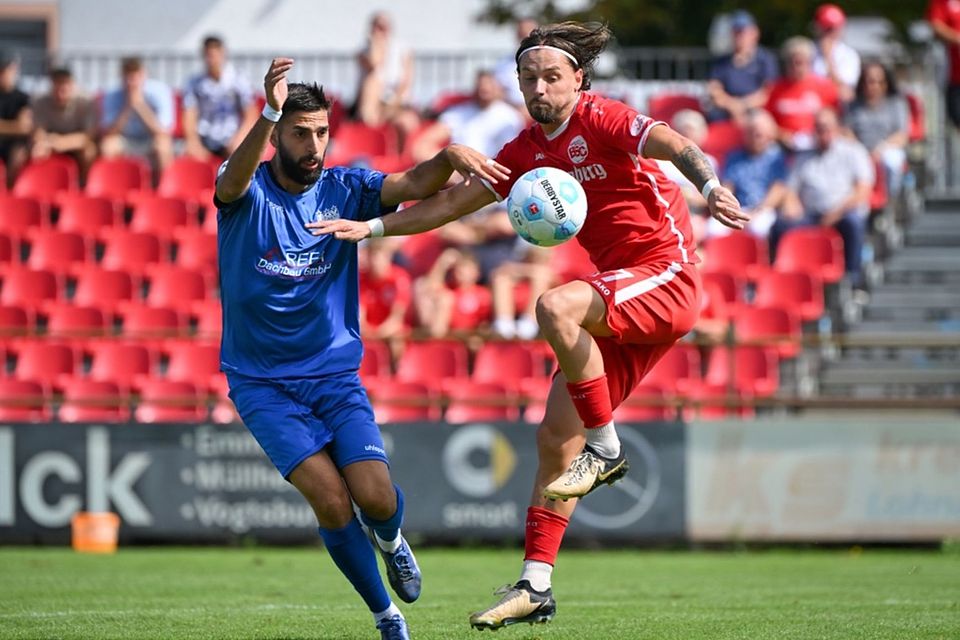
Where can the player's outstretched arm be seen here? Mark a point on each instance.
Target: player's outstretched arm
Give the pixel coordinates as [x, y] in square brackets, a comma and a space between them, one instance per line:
[428, 177]
[235, 179]
[435, 211]
[664, 143]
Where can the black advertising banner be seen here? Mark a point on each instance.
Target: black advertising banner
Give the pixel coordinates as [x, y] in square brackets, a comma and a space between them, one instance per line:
[204, 483]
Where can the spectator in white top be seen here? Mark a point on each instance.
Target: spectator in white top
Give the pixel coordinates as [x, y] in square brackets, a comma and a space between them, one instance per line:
[218, 105]
[835, 59]
[693, 125]
[386, 74]
[830, 187]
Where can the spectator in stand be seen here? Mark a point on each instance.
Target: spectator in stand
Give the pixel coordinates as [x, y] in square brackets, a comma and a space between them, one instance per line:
[464, 305]
[797, 97]
[65, 122]
[486, 122]
[218, 105]
[835, 59]
[16, 117]
[138, 117]
[830, 187]
[944, 18]
[384, 291]
[693, 125]
[386, 74]
[739, 81]
[506, 68]
[880, 118]
[757, 174]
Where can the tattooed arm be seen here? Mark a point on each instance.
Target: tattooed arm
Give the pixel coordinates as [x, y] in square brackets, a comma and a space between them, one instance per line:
[664, 143]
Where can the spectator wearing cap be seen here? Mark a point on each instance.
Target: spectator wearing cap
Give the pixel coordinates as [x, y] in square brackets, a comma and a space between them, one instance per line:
[16, 116]
[835, 59]
[739, 81]
[944, 18]
[797, 97]
[830, 187]
[138, 117]
[65, 121]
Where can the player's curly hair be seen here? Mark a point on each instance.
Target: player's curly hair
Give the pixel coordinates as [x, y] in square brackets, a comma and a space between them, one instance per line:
[305, 97]
[584, 41]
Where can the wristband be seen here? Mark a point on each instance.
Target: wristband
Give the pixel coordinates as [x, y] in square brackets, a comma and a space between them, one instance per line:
[376, 227]
[270, 113]
[710, 185]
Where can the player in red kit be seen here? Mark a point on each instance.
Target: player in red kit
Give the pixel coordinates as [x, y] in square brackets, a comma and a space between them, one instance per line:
[608, 329]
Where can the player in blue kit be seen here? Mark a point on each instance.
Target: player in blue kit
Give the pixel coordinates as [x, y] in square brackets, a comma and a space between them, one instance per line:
[291, 346]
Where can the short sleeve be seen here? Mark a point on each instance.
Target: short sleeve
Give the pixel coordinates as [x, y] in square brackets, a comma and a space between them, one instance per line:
[622, 127]
[190, 94]
[369, 184]
[110, 110]
[778, 168]
[165, 106]
[254, 193]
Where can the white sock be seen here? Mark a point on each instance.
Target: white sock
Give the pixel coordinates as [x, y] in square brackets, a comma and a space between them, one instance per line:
[537, 574]
[604, 440]
[527, 328]
[389, 612]
[390, 546]
[505, 327]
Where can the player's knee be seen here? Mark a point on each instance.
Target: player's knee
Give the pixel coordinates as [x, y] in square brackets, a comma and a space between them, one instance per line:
[333, 512]
[553, 307]
[378, 503]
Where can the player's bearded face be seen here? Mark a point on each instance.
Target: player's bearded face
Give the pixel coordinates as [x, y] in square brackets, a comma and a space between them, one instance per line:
[549, 85]
[303, 169]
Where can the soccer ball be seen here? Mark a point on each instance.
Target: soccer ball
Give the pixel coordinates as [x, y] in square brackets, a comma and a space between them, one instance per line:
[547, 206]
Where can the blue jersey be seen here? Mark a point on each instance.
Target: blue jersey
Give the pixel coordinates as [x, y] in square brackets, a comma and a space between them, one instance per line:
[290, 299]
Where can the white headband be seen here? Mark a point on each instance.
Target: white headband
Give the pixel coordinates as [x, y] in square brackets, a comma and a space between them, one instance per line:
[546, 46]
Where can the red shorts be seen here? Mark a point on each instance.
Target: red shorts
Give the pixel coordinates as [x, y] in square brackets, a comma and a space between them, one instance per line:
[649, 308]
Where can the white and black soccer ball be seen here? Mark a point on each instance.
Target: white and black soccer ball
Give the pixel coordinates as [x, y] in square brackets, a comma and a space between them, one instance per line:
[547, 206]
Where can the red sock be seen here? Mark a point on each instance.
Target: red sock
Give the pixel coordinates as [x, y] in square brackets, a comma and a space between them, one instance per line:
[543, 535]
[592, 400]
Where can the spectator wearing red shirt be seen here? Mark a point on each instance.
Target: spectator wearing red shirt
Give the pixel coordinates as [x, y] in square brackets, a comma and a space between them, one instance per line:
[450, 297]
[384, 292]
[944, 17]
[797, 97]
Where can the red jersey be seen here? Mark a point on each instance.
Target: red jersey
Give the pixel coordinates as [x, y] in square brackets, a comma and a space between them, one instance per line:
[635, 214]
[947, 13]
[794, 103]
[379, 296]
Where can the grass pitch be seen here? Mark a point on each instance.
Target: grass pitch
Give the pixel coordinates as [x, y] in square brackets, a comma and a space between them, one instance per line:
[297, 593]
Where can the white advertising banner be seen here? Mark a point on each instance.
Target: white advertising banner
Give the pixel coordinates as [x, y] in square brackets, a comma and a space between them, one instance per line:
[824, 480]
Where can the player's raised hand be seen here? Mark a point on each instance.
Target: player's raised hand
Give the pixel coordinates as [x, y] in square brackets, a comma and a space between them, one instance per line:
[349, 230]
[725, 207]
[470, 162]
[275, 82]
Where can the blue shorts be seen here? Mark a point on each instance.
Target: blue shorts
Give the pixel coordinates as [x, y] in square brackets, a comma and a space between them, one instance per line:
[294, 418]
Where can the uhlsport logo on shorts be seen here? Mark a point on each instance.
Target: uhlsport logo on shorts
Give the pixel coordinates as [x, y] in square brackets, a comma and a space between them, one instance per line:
[478, 460]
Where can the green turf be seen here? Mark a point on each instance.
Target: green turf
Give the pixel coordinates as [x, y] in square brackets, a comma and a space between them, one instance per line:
[296, 593]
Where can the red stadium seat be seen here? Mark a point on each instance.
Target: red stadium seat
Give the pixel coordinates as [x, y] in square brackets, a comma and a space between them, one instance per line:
[89, 216]
[879, 195]
[420, 251]
[142, 322]
[666, 105]
[29, 289]
[196, 249]
[192, 361]
[69, 321]
[126, 363]
[46, 180]
[208, 317]
[15, 321]
[814, 250]
[175, 287]
[170, 401]
[94, 401]
[515, 364]
[103, 288]
[20, 217]
[163, 217]
[773, 326]
[570, 261]
[395, 401]
[476, 401]
[536, 392]
[375, 364]
[24, 401]
[740, 254]
[355, 140]
[434, 363]
[648, 402]
[188, 179]
[45, 361]
[391, 163]
[132, 252]
[6, 251]
[752, 370]
[118, 179]
[678, 371]
[722, 137]
[918, 122]
[60, 252]
[797, 291]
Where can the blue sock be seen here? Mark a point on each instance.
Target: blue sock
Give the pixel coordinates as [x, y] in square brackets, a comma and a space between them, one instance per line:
[387, 529]
[353, 555]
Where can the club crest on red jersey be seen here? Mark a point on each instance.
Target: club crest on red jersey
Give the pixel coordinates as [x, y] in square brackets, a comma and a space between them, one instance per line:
[577, 150]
